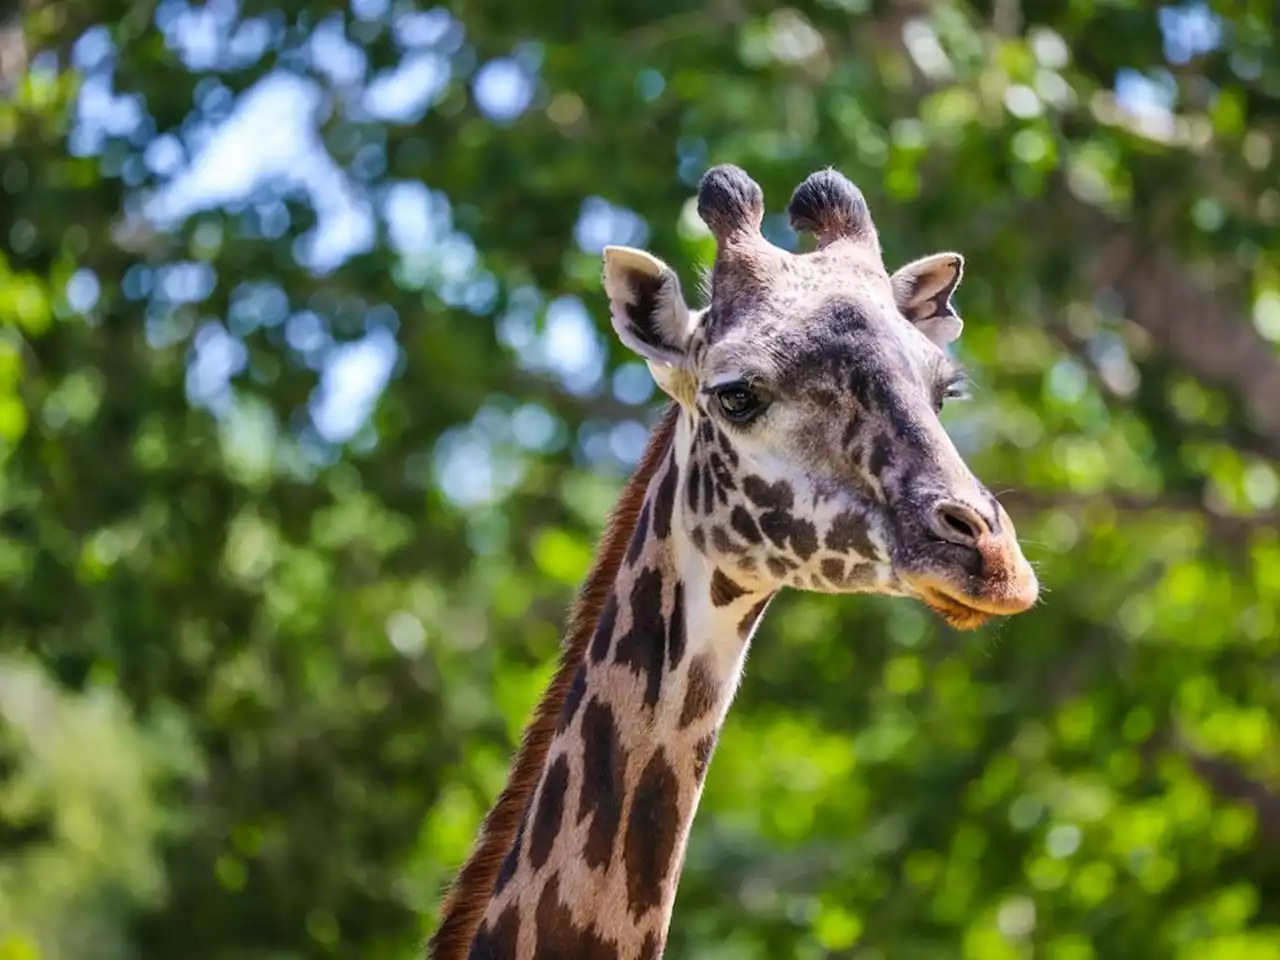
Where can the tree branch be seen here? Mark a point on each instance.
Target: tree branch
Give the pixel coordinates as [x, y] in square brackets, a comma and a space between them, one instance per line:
[1194, 318]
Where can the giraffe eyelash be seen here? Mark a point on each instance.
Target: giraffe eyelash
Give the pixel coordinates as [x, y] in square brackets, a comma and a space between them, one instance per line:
[955, 387]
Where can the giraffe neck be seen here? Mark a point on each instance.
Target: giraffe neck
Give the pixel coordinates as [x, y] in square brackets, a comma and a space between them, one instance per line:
[595, 862]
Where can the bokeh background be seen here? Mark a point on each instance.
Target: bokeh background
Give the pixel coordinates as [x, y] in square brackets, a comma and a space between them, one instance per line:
[309, 418]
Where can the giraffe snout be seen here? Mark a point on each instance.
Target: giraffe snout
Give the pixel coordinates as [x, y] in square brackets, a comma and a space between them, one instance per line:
[973, 568]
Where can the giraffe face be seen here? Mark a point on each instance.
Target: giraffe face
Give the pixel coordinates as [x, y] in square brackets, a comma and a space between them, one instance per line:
[812, 451]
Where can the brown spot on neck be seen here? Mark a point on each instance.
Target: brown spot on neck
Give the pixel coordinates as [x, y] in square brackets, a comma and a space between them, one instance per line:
[500, 941]
[465, 904]
[548, 816]
[702, 751]
[643, 647]
[693, 485]
[723, 590]
[665, 500]
[638, 536]
[604, 770]
[653, 828]
[559, 937]
[676, 629]
[753, 617]
[700, 692]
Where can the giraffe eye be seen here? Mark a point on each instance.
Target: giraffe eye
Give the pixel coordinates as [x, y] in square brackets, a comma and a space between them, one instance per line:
[954, 389]
[739, 403]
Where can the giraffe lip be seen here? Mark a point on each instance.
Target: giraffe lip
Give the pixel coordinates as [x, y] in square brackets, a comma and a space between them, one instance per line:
[962, 611]
[957, 613]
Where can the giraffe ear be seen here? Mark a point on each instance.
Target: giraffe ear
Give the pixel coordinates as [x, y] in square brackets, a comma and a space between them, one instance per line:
[923, 290]
[648, 310]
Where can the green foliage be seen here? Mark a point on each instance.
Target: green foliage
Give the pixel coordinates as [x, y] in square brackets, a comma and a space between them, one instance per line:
[259, 682]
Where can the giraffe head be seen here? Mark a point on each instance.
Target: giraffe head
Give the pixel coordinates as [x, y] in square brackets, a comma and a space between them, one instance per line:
[811, 386]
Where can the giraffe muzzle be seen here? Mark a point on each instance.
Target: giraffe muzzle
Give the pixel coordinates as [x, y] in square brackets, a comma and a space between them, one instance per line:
[974, 569]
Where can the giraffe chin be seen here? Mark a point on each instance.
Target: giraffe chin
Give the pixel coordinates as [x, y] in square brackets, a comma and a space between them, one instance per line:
[962, 612]
[957, 614]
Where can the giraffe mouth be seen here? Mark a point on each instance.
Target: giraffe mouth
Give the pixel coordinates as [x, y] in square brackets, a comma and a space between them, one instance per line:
[961, 611]
[956, 613]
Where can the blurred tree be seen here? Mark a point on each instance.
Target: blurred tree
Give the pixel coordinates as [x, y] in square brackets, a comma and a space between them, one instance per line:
[308, 419]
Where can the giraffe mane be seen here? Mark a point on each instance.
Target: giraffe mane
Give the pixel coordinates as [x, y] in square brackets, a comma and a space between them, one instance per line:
[465, 903]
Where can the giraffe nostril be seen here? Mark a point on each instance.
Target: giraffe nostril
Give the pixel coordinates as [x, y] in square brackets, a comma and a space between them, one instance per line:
[958, 523]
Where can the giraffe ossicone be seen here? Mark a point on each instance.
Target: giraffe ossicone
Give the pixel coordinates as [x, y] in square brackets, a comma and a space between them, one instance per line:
[802, 448]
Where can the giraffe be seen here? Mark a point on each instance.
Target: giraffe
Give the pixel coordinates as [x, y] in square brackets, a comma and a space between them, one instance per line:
[801, 447]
